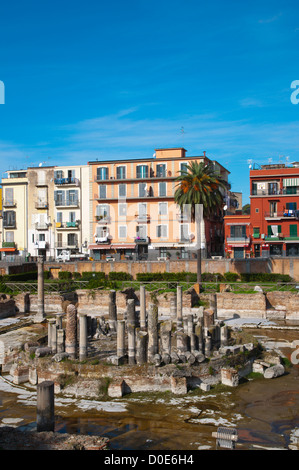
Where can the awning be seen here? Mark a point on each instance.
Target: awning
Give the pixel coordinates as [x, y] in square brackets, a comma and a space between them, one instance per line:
[99, 247]
[124, 246]
[7, 249]
[239, 245]
[290, 182]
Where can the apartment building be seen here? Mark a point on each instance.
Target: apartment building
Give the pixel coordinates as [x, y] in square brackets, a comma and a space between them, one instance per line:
[272, 227]
[14, 212]
[42, 212]
[134, 215]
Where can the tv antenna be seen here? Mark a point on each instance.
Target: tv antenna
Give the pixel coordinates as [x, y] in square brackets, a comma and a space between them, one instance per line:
[183, 134]
[249, 161]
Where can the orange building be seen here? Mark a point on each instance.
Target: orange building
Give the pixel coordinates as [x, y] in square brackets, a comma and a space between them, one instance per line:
[133, 213]
[272, 227]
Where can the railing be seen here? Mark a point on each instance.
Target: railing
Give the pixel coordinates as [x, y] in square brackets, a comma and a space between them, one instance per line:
[66, 181]
[49, 287]
[41, 204]
[9, 203]
[68, 225]
[280, 214]
[103, 219]
[69, 202]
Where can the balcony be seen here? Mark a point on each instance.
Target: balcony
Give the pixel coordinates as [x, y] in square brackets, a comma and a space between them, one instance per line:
[70, 244]
[282, 214]
[67, 203]
[66, 181]
[41, 204]
[41, 226]
[142, 218]
[68, 225]
[241, 241]
[9, 203]
[103, 219]
[142, 240]
[41, 245]
[103, 239]
[8, 245]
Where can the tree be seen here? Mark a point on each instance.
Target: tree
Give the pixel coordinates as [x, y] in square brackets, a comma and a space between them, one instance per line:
[202, 190]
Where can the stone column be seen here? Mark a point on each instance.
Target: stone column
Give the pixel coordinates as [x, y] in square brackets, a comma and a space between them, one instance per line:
[182, 342]
[112, 311]
[71, 331]
[199, 335]
[121, 349]
[131, 343]
[179, 306]
[153, 346]
[131, 312]
[141, 347]
[165, 334]
[190, 326]
[224, 335]
[208, 346]
[173, 306]
[60, 340]
[142, 307]
[54, 337]
[82, 336]
[50, 322]
[59, 320]
[40, 290]
[45, 406]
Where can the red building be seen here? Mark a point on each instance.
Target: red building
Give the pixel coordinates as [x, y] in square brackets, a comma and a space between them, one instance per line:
[272, 227]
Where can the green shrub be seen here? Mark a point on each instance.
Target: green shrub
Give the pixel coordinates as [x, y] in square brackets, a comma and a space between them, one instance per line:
[265, 277]
[88, 275]
[64, 275]
[119, 276]
[76, 275]
[230, 277]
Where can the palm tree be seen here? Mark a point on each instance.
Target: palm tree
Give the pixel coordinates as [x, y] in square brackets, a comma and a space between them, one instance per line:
[203, 190]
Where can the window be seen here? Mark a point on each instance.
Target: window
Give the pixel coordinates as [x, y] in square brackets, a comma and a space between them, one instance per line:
[142, 189]
[8, 196]
[72, 239]
[141, 231]
[102, 173]
[102, 211]
[273, 209]
[9, 237]
[122, 190]
[122, 231]
[162, 189]
[59, 217]
[42, 237]
[257, 210]
[161, 170]
[291, 206]
[142, 171]
[59, 239]
[59, 198]
[184, 232]
[72, 216]
[72, 197]
[162, 231]
[293, 230]
[184, 167]
[58, 174]
[102, 232]
[9, 219]
[142, 209]
[238, 231]
[274, 230]
[163, 208]
[122, 209]
[102, 191]
[121, 172]
[273, 188]
[256, 232]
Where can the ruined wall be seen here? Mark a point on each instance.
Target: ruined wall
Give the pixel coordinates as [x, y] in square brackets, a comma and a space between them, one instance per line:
[242, 305]
[251, 265]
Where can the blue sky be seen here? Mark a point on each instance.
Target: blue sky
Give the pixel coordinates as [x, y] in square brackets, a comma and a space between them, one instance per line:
[112, 80]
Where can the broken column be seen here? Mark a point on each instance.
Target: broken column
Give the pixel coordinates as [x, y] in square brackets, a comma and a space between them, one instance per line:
[112, 311]
[181, 342]
[131, 343]
[71, 331]
[165, 335]
[60, 340]
[131, 312]
[141, 346]
[153, 346]
[82, 336]
[142, 307]
[224, 335]
[173, 305]
[45, 419]
[59, 320]
[40, 290]
[199, 336]
[121, 350]
[179, 306]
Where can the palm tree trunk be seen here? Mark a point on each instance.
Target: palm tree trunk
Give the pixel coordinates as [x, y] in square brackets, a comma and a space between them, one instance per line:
[198, 216]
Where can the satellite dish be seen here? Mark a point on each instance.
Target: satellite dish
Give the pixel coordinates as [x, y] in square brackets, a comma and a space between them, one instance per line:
[225, 207]
[40, 164]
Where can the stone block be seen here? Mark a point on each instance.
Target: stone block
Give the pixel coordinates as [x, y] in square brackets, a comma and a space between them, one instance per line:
[229, 377]
[179, 385]
[20, 375]
[116, 389]
[274, 371]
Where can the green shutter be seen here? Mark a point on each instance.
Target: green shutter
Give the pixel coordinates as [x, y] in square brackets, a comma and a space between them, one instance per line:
[293, 230]
[269, 231]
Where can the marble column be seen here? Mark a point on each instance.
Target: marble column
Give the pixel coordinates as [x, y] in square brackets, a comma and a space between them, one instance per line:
[142, 307]
[71, 331]
[153, 346]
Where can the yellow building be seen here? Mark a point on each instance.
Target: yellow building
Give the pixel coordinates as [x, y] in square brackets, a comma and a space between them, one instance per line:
[133, 212]
[14, 212]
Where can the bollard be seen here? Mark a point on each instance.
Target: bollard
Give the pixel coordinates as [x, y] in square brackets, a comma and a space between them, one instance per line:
[45, 419]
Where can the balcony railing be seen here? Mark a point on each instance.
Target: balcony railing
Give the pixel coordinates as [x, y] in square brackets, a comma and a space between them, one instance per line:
[274, 192]
[142, 240]
[103, 219]
[281, 214]
[142, 218]
[238, 240]
[67, 225]
[66, 203]
[9, 203]
[41, 226]
[69, 244]
[66, 181]
[41, 204]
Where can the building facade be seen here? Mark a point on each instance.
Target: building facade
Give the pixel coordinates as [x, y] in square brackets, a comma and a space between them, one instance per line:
[134, 215]
[272, 229]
